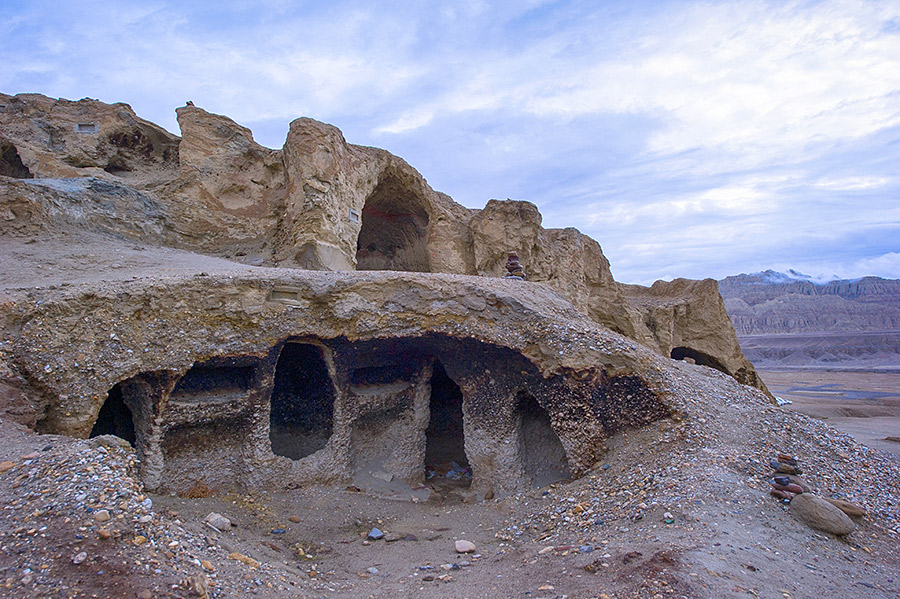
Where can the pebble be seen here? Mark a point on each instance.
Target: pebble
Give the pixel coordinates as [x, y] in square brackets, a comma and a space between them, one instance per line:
[240, 557]
[79, 558]
[104, 533]
[101, 515]
[217, 521]
[375, 534]
[294, 519]
[463, 546]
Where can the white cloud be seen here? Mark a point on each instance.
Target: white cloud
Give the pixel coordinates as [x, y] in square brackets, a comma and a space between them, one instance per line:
[852, 183]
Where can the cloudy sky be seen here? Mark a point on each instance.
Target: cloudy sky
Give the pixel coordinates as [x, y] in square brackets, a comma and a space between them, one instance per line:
[694, 139]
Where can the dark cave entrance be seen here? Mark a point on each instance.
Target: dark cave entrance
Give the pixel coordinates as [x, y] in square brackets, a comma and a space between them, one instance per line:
[445, 452]
[302, 411]
[115, 418]
[213, 381]
[540, 449]
[394, 230]
[680, 353]
[11, 164]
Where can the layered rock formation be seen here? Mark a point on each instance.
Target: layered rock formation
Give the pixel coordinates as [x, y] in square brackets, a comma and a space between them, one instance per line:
[787, 320]
[121, 317]
[774, 303]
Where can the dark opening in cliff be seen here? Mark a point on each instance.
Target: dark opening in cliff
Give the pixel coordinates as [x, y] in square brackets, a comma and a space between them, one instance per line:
[214, 381]
[680, 353]
[394, 230]
[11, 164]
[445, 453]
[115, 418]
[302, 410]
[541, 451]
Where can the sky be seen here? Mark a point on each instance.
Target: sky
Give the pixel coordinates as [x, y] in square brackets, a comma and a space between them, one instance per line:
[690, 139]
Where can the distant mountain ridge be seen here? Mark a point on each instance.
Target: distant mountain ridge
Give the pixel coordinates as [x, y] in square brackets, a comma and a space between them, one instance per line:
[772, 302]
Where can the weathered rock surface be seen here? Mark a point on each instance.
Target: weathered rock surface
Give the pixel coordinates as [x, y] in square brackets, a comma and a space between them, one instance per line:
[319, 203]
[818, 513]
[851, 509]
[62, 139]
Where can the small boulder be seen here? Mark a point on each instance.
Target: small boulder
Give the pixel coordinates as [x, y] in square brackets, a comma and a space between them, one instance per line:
[818, 513]
[796, 480]
[851, 509]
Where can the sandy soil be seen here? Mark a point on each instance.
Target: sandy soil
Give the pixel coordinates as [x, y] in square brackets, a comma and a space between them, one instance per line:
[863, 404]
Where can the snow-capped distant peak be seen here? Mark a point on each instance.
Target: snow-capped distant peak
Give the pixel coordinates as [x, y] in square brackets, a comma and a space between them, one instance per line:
[793, 276]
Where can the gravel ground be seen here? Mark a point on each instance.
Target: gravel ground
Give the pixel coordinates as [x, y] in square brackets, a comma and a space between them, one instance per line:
[678, 509]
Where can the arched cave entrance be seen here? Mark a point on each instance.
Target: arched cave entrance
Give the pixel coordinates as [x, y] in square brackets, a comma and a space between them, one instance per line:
[115, 418]
[302, 409]
[540, 449]
[680, 353]
[394, 230]
[11, 164]
[445, 452]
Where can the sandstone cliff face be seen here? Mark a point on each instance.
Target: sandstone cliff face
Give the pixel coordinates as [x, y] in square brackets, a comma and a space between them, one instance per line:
[60, 139]
[684, 319]
[319, 203]
[570, 262]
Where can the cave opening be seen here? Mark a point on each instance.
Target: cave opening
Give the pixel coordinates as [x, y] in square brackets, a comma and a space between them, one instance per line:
[445, 452]
[394, 230]
[214, 381]
[301, 419]
[680, 353]
[115, 418]
[542, 453]
[11, 164]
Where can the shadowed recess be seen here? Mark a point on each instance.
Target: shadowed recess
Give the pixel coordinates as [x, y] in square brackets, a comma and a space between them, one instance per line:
[541, 451]
[302, 414]
[680, 353]
[11, 164]
[394, 230]
[115, 418]
[445, 453]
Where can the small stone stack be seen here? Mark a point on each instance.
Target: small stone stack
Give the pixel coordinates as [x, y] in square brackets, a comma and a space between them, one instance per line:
[513, 268]
[828, 515]
[785, 484]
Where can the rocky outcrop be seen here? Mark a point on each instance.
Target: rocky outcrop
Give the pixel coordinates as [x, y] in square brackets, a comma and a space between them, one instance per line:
[62, 139]
[281, 376]
[319, 203]
[686, 319]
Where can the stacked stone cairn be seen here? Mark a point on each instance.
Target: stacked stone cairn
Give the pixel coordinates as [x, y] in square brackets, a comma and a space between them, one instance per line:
[513, 268]
[834, 516]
